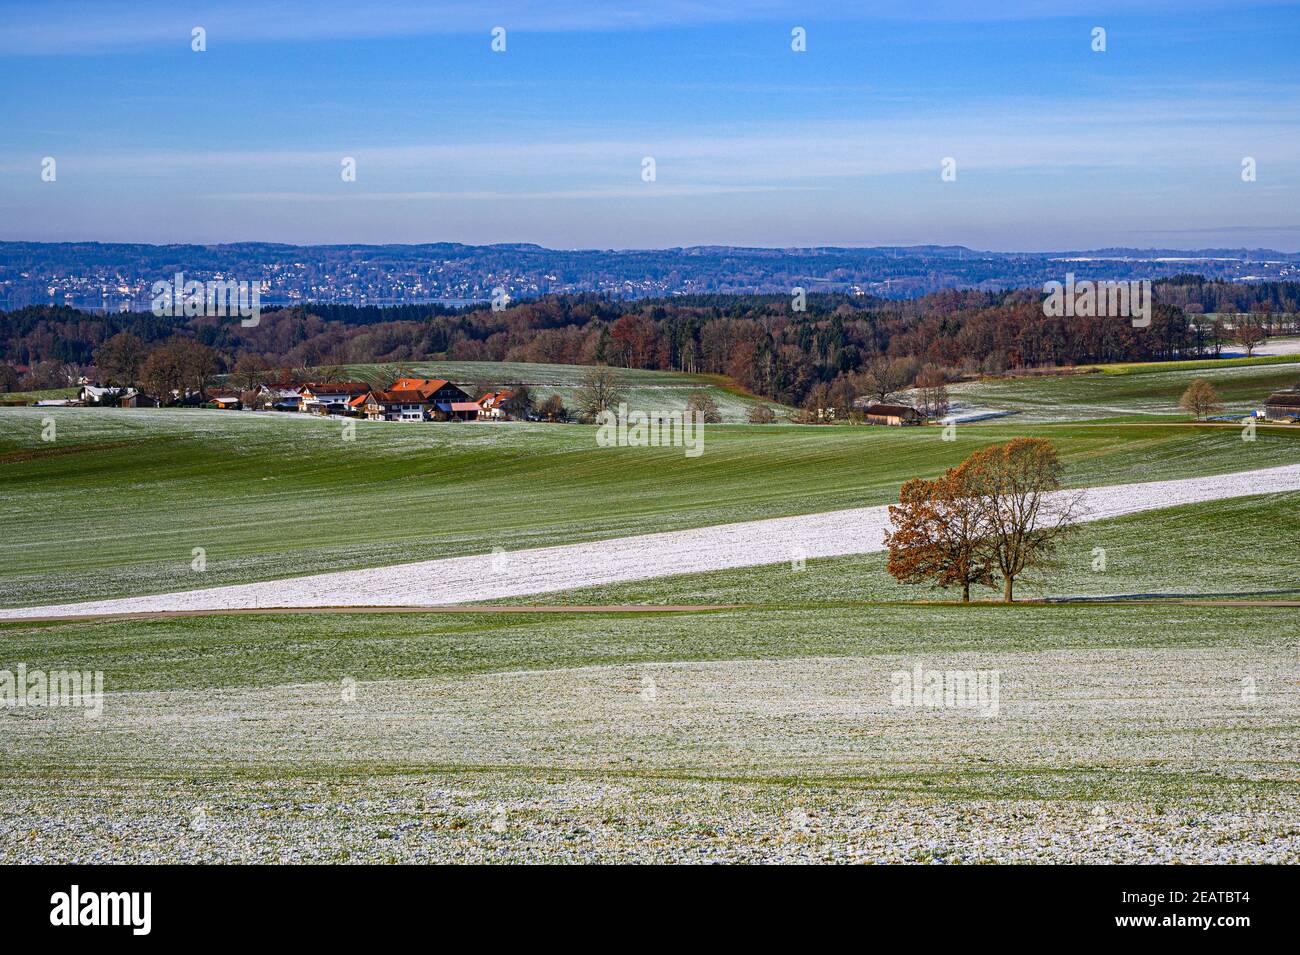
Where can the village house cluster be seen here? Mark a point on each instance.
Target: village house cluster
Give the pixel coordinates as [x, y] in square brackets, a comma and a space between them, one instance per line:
[438, 399]
[406, 399]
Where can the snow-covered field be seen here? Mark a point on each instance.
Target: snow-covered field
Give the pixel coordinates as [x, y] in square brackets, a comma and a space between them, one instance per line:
[682, 761]
[548, 569]
[1269, 347]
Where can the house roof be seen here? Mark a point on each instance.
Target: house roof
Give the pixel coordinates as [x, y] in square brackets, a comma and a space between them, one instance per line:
[401, 397]
[495, 397]
[1285, 399]
[359, 400]
[465, 406]
[425, 385]
[892, 411]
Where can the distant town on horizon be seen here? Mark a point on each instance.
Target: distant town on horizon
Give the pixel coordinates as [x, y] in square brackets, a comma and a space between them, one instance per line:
[118, 276]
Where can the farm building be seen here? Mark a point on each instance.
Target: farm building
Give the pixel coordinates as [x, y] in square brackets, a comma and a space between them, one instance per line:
[494, 405]
[456, 411]
[436, 389]
[226, 400]
[397, 405]
[97, 395]
[331, 397]
[893, 415]
[280, 397]
[1283, 406]
[421, 399]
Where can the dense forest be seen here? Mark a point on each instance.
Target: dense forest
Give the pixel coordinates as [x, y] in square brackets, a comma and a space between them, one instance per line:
[762, 342]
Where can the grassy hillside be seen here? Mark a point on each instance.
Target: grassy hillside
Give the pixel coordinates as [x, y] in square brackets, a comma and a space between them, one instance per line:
[1140, 390]
[1242, 547]
[116, 505]
[643, 390]
[1122, 734]
[28, 397]
[268, 650]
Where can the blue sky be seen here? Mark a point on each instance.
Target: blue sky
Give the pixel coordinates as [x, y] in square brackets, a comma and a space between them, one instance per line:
[1056, 146]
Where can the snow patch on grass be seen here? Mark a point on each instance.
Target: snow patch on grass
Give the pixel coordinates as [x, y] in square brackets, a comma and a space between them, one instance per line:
[479, 578]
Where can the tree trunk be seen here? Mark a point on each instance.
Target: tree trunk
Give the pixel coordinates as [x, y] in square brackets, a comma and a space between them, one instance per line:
[1006, 589]
[965, 592]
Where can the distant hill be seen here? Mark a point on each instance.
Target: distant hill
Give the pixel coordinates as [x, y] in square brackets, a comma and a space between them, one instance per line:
[93, 275]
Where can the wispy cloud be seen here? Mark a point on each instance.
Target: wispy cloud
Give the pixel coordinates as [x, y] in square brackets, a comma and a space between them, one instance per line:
[1225, 230]
[994, 137]
[646, 191]
[87, 26]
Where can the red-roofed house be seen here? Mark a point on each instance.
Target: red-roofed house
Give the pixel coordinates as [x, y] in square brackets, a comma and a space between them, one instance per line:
[494, 403]
[436, 388]
[395, 405]
[420, 399]
[331, 397]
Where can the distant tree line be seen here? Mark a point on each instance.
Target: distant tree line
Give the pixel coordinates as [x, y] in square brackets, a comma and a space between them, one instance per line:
[838, 348]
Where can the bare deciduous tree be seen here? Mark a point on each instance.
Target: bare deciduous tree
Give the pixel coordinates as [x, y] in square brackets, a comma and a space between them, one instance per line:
[552, 408]
[1248, 334]
[598, 392]
[703, 403]
[884, 378]
[250, 371]
[119, 359]
[1022, 513]
[1200, 400]
[932, 391]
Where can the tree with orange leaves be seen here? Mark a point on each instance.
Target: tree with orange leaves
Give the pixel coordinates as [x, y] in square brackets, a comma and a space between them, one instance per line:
[937, 535]
[996, 515]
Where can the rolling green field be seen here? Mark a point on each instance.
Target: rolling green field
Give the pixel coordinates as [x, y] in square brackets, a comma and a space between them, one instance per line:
[1125, 731]
[1131, 390]
[117, 503]
[1240, 548]
[28, 397]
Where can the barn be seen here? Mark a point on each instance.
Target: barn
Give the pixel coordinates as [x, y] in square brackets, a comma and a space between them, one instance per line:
[1283, 406]
[893, 415]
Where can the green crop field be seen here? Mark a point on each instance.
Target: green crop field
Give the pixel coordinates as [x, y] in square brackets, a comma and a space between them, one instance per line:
[115, 505]
[1146, 390]
[1124, 731]
[30, 397]
[1239, 548]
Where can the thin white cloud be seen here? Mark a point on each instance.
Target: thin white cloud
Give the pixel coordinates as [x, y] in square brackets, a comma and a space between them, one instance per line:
[995, 136]
[91, 26]
[650, 190]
